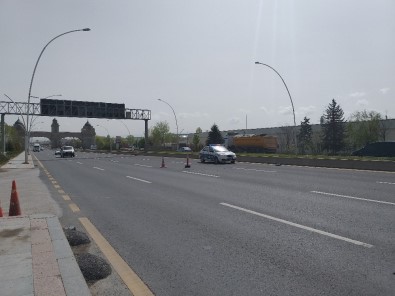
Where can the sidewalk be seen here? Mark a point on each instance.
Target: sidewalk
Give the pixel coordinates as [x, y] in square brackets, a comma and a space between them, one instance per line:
[35, 256]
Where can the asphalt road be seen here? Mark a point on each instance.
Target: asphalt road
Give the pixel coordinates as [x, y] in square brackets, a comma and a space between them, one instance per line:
[242, 229]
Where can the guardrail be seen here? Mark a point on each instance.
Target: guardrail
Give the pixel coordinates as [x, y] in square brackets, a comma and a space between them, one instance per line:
[356, 164]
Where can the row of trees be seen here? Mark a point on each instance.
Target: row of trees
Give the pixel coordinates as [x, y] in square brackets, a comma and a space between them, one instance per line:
[337, 135]
[13, 142]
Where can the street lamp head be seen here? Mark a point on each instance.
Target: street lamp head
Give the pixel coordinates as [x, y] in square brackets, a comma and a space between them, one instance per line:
[86, 29]
[159, 100]
[46, 97]
[257, 63]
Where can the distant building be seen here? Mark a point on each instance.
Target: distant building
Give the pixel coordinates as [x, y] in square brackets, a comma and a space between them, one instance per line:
[285, 134]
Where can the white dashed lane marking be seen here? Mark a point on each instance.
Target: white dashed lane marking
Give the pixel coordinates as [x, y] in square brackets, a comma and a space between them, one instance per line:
[299, 226]
[353, 197]
[137, 179]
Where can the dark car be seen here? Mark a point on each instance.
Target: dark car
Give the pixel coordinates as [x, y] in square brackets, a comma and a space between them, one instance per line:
[184, 149]
[67, 151]
[378, 149]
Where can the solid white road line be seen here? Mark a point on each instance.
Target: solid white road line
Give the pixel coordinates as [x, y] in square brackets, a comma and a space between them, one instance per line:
[141, 180]
[385, 183]
[200, 174]
[79, 162]
[353, 197]
[100, 169]
[300, 226]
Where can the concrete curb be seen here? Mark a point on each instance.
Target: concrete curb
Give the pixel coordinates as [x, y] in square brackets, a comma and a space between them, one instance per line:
[73, 281]
[36, 258]
[373, 165]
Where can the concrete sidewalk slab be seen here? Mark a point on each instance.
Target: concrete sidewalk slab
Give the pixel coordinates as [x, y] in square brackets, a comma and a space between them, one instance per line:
[35, 256]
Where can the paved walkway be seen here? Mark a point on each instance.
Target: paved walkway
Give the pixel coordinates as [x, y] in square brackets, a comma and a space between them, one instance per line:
[35, 257]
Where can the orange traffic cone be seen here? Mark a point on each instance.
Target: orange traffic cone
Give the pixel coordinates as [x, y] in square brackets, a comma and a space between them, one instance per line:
[187, 165]
[15, 209]
[163, 163]
[1, 211]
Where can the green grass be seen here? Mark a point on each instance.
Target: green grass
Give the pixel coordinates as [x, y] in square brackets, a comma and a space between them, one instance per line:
[272, 155]
[9, 155]
[310, 156]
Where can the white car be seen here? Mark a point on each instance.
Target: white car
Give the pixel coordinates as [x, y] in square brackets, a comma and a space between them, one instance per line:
[217, 154]
[66, 151]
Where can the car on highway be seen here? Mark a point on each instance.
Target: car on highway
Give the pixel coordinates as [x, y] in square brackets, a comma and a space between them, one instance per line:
[217, 153]
[67, 151]
[184, 149]
[378, 149]
[36, 147]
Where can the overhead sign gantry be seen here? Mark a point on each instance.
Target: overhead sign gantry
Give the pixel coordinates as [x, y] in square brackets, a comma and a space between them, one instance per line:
[68, 108]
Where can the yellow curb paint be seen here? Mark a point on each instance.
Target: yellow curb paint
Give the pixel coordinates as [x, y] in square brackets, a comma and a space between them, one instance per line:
[54, 182]
[74, 207]
[66, 197]
[56, 186]
[130, 278]
[61, 191]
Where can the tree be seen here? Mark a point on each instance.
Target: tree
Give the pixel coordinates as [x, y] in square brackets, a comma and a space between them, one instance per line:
[141, 143]
[286, 138]
[364, 128]
[160, 133]
[333, 128]
[196, 139]
[14, 142]
[305, 135]
[130, 140]
[102, 143]
[214, 136]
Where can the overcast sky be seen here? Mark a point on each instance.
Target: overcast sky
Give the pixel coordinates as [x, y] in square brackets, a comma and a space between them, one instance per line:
[199, 57]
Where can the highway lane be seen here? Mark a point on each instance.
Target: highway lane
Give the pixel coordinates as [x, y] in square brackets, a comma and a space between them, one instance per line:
[179, 236]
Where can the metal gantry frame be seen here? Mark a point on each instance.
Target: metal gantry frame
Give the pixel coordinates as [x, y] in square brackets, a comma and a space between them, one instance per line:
[21, 108]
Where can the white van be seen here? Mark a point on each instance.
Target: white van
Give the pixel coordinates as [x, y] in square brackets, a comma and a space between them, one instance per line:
[36, 147]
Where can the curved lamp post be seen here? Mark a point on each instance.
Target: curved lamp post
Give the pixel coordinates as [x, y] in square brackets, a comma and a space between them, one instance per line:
[30, 89]
[130, 136]
[31, 121]
[108, 134]
[174, 117]
[289, 94]
[46, 97]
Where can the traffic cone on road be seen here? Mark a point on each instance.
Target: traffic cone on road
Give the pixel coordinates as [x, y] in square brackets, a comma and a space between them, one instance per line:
[15, 209]
[187, 165]
[163, 163]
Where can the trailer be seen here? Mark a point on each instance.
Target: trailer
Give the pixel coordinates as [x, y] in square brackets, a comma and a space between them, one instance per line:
[253, 143]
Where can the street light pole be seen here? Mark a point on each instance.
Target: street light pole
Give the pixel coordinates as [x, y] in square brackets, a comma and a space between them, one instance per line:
[46, 97]
[174, 117]
[289, 94]
[30, 89]
[130, 136]
[32, 120]
[108, 134]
